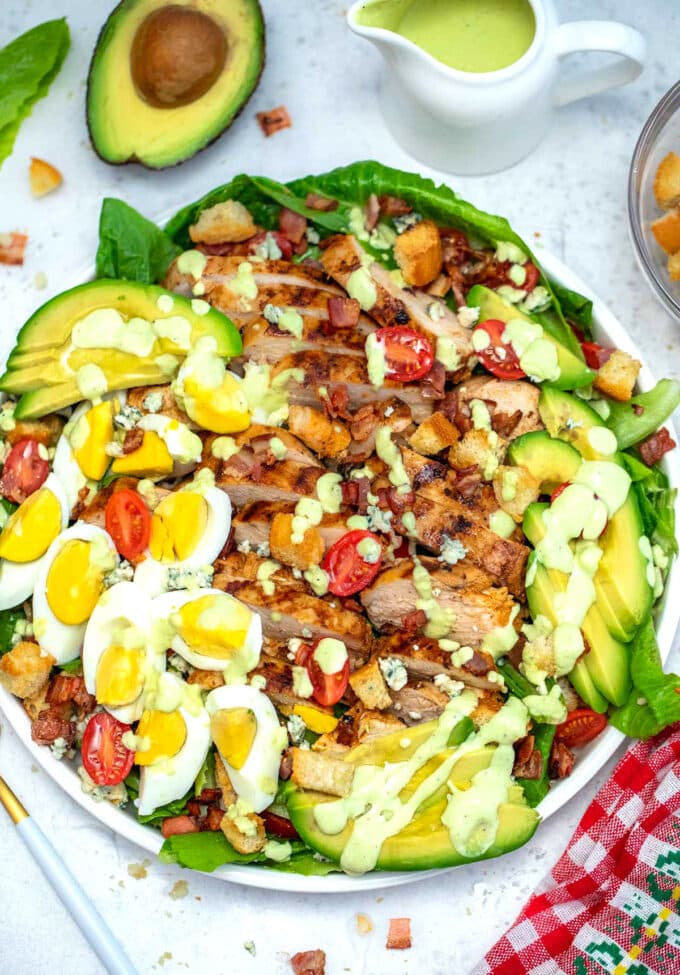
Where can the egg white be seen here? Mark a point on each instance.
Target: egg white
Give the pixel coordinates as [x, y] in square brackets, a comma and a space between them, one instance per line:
[127, 602]
[18, 579]
[62, 640]
[165, 605]
[262, 764]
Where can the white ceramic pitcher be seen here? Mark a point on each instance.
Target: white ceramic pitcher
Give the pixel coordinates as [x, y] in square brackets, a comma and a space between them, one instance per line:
[476, 123]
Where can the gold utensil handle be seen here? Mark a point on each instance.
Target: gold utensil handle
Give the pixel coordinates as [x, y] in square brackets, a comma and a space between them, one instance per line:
[11, 803]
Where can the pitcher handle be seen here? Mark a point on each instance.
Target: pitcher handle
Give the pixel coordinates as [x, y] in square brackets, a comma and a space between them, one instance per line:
[599, 35]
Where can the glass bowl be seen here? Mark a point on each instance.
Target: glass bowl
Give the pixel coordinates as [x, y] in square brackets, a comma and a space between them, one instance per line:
[660, 135]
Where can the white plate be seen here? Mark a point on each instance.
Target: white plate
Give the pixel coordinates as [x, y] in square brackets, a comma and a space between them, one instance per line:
[592, 758]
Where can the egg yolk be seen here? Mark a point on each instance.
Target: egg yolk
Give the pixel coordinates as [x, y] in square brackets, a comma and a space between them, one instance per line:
[120, 676]
[151, 459]
[164, 731]
[177, 525]
[74, 584]
[233, 731]
[215, 626]
[223, 409]
[32, 528]
[91, 455]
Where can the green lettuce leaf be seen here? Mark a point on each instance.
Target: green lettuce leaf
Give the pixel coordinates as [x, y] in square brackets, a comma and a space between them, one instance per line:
[28, 65]
[577, 308]
[130, 246]
[657, 405]
[263, 210]
[206, 775]
[535, 790]
[72, 667]
[8, 620]
[654, 701]
[208, 851]
[656, 501]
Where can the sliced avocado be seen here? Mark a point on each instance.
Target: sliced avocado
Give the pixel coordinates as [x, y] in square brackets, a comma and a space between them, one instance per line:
[425, 842]
[583, 684]
[167, 79]
[574, 373]
[551, 461]
[624, 595]
[608, 661]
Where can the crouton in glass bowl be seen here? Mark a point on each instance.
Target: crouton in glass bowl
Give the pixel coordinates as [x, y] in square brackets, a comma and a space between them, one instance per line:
[654, 200]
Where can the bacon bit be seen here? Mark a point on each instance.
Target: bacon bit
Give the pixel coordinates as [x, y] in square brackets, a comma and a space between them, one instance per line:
[505, 423]
[479, 664]
[133, 440]
[440, 286]
[177, 825]
[43, 177]
[364, 422]
[309, 962]
[321, 203]
[372, 212]
[595, 355]
[399, 935]
[398, 503]
[468, 480]
[653, 448]
[336, 403]
[638, 410]
[209, 795]
[393, 206]
[212, 821]
[561, 761]
[12, 248]
[414, 621]
[66, 688]
[286, 766]
[528, 760]
[343, 312]
[364, 924]
[274, 120]
[54, 723]
[432, 385]
[292, 224]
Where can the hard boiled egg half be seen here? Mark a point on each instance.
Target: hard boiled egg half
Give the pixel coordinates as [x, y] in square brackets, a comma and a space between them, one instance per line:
[118, 652]
[67, 587]
[210, 394]
[250, 740]
[171, 740]
[211, 630]
[80, 455]
[188, 530]
[26, 538]
[168, 449]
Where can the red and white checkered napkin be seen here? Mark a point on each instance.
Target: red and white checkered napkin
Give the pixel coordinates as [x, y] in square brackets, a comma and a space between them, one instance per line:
[612, 901]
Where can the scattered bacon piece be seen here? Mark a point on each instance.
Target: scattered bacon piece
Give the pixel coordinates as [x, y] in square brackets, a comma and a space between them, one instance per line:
[212, 821]
[209, 795]
[432, 384]
[176, 825]
[292, 224]
[528, 760]
[653, 448]
[561, 761]
[66, 688]
[372, 212]
[638, 410]
[412, 622]
[398, 503]
[399, 935]
[343, 312]
[52, 724]
[12, 248]
[479, 664]
[322, 203]
[274, 120]
[393, 206]
[309, 962]
[505, 423]
[43, 177]
[133, 440]
[336, 403]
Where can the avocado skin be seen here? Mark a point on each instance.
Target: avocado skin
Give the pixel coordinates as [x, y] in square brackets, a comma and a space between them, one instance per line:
[203, 141]
[624, 596]
[574, 373]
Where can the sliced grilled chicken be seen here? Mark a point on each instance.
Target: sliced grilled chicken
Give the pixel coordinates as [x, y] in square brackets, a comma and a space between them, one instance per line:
[423, 658]
[327, 372]
[266, 342]
[392, 599]
[418, 701]
[253, 522]
[507, 400]
[259, 436]
[167, 406]
[395, 305]
[358, 724]
[248, 477]
[291, 611]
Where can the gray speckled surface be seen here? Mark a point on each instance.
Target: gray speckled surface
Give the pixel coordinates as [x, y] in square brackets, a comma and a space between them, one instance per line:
[572, 193]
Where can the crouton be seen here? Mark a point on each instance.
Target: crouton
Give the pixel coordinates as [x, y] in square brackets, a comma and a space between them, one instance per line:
[489, 703]
[515, 489]
[224, 782]
[245, 832]
[228, 222]
[477, 448]
[674, 266]
[24, 670]
[207, 680]
[617, 377]
[43, 177]
[369, 686]
[418, 252]
[36, 703]
[666, 229]
[434, 434]
[371, 724]
[300, 555]
[326, 437]
[320, 772]
[667, 182]
[46, 430]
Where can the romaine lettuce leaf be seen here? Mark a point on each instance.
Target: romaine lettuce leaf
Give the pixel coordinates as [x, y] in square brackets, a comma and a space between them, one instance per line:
[208, 851]
[654, 701]
[130, 246]
[8, 621]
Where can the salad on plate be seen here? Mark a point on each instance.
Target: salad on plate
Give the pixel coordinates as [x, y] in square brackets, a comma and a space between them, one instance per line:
[329, 533]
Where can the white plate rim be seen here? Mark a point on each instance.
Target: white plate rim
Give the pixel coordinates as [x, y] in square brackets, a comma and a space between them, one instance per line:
[607, 328]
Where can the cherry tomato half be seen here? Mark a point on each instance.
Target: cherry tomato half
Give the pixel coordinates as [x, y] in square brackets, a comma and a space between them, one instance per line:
[106, 759]
[128, 522]
[558, 490]
[581, 726]
[347, 571]
[499, 357]
[532, 277]
[24, 470]
[327, 688]
[279, 826]
[595, 355]
[408, 354]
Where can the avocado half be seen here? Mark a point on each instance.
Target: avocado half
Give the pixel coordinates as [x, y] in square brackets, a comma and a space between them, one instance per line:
[166, 79]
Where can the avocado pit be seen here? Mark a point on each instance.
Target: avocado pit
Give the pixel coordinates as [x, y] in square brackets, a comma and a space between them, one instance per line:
[177, 55]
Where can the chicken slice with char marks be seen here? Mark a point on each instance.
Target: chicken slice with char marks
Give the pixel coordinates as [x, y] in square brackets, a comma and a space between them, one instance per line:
[506, 397]
[253, 521]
